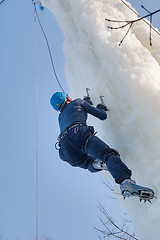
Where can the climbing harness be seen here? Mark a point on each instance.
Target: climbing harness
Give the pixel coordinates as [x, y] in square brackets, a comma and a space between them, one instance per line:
[65, 133]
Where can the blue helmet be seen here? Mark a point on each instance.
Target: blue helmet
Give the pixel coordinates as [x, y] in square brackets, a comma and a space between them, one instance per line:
[57, 99]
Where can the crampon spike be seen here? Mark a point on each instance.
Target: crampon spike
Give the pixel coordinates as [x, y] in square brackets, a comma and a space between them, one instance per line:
[146, 196]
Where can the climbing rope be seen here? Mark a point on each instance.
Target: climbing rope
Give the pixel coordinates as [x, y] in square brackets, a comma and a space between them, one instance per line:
[55, 74]
[140, 16]
[49, 50]
[36, 122]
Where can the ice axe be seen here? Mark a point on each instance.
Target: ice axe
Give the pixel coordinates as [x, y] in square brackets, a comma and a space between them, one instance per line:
[102, 102]
[87, 98]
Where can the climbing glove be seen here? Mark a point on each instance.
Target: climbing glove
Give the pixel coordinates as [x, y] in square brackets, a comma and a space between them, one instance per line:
[88, 100]
[102, 106]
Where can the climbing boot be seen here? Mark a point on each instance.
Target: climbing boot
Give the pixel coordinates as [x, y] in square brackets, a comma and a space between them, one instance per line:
[130, 188]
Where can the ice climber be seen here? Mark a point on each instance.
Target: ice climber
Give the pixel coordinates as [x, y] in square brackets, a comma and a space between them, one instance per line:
[79, 146]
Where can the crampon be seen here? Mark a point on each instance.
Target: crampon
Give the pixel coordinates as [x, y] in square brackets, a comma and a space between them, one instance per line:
[129, 188]
[144, 195]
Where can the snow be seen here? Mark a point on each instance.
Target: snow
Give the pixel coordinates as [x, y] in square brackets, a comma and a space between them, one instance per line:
[128, 77]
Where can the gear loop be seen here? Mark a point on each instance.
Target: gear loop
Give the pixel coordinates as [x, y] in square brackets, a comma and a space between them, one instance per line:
[57, 145]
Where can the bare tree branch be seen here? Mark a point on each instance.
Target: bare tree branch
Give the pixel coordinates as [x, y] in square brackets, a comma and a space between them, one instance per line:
[107, 184]
[131, 22]
[112, 229]
[2, 1]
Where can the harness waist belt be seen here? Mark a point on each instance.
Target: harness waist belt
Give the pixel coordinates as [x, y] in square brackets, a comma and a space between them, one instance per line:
[63, 134]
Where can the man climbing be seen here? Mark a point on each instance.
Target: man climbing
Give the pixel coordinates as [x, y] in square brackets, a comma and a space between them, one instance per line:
[79, 146]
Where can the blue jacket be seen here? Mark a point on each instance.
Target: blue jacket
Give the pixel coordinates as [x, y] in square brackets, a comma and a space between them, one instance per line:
[72, 145]
[77, 111]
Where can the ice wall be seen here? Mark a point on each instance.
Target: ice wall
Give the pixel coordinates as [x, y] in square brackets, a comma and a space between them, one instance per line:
[129, 78]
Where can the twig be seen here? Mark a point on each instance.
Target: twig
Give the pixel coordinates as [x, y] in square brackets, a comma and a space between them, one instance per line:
[107, 184]
[2, 1]
[113, 229]
[131, 22]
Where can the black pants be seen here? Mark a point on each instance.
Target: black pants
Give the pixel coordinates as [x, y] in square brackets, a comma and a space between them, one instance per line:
[80, 147]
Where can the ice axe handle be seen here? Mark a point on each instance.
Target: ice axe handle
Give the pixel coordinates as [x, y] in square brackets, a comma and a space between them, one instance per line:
[102, 102]
[87, 98]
